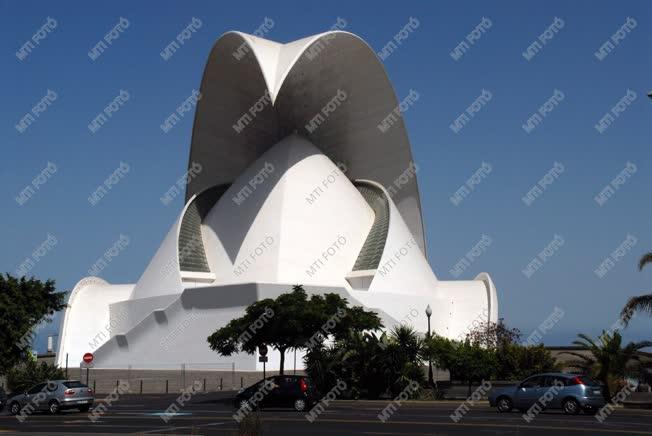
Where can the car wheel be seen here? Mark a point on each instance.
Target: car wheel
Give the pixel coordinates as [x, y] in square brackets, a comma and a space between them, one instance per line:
[54, 407]
[299, 404]
[570, 407]
[14, 408]
[504, 405]
[84, 409]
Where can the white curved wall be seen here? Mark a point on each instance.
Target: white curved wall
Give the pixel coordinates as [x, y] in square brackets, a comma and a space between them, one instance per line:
[492, 296]
[162, 275]
[278, 232]
[404, 285]
[86, 323]
[467, 306]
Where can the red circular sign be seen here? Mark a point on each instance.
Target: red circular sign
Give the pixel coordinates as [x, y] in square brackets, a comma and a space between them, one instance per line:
[88, 357]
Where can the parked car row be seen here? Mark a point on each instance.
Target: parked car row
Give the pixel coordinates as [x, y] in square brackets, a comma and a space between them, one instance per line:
[567, 392]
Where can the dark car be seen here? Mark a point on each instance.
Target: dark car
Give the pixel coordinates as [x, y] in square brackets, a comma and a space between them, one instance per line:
[293, 391]
[53, 396]
[569, 392]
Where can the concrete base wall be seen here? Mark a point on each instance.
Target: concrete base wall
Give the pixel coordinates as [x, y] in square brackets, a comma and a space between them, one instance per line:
[104, 381]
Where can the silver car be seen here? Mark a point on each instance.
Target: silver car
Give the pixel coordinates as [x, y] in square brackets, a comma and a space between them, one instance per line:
[53, 396]
[569, 392]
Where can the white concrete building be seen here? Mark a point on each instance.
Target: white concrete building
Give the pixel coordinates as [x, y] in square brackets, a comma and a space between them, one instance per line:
[300, 172]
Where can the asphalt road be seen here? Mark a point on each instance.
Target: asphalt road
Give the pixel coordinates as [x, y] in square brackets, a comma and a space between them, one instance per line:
[212, 414]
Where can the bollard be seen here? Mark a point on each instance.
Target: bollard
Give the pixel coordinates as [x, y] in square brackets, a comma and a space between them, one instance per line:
[241, 382]
[94, 386]
[204, 385]
[166, 386]
[221, 385]
[141, 386]
[117, 382]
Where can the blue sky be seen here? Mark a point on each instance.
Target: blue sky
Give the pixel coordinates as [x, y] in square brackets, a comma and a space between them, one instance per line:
[566, 62]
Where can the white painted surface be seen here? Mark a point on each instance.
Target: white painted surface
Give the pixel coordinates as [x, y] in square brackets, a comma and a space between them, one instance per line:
[280, 233]
[86, 321]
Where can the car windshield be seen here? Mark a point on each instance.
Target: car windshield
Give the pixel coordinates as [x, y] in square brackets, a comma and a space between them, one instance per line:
[74, 384]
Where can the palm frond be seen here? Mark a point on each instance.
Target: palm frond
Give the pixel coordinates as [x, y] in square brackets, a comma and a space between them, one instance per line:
[585, 341]
[640, 345]
[645, 259]
[642, 303]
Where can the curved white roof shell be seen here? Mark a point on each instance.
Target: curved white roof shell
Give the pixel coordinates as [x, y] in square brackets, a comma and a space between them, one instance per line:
[255, 92]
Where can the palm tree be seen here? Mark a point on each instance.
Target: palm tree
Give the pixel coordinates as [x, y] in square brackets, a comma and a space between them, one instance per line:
[607, 360]
[402, 358]
[642, 303]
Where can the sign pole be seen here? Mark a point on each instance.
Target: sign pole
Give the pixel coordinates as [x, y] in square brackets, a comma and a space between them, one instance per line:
[87, 360]
[262, 350]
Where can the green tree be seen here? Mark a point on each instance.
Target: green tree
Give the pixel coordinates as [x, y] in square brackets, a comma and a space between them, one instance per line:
[29, 373]
[371, 365]
[402, 358]
[291, 321]
[493, 335]
[516, 362]
[513, 361]
[607, 360]
[641, 303]
[24, 303]
[439, 350]
[323, 364]
[362, 363]
[471, 363]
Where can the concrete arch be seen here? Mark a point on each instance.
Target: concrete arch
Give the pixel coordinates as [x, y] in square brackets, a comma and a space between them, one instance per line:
[288, 86]
[230, 86]
[351, 133]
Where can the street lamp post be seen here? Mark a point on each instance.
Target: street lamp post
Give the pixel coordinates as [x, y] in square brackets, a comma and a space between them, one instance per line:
[430, 379]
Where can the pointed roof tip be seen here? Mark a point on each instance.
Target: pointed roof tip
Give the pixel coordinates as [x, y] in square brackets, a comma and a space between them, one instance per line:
[253, 37]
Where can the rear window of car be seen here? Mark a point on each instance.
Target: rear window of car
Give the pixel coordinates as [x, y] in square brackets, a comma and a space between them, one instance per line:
[74, 384]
